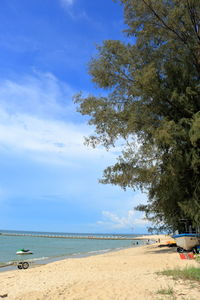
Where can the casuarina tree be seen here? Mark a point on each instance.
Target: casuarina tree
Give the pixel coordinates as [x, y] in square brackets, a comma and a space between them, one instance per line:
[151, 101]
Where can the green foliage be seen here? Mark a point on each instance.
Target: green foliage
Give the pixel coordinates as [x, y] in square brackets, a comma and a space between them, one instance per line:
[197, 258]
[189, 273]
[153, 105]
[168, 291]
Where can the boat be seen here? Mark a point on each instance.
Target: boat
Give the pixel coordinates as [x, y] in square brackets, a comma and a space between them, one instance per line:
[24, 252]
[187, 241]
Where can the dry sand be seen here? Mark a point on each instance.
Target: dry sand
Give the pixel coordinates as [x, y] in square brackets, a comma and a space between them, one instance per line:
[128, 274]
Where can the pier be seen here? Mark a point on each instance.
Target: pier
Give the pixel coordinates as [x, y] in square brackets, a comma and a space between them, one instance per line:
[90, 237]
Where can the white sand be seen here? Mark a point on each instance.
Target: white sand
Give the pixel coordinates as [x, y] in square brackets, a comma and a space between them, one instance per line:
[123, 275]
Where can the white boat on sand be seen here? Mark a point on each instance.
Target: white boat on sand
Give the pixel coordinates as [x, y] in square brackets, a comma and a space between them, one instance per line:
[187, 241]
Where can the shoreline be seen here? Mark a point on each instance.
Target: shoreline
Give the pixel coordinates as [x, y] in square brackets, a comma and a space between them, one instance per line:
[126, 274]
[45, 257]
[39, 262]
[151, 239]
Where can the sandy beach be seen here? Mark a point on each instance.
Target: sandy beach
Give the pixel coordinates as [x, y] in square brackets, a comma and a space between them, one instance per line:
[129, 274]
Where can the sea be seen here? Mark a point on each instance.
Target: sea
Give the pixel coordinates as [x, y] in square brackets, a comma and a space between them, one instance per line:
[51, 246]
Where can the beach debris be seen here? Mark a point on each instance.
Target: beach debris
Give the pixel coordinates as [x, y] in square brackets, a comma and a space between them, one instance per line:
[168, 244]
[23, 265]
[187, 255]
[4, 296]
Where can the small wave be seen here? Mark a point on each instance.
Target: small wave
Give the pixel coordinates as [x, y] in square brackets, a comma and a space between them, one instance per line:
[39, 258]
[100, 251]
[10, 263]
[6, 264]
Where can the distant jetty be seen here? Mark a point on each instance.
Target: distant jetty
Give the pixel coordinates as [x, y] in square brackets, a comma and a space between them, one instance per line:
[91, 237]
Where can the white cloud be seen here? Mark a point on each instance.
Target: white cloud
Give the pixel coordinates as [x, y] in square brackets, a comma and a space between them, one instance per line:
[37, 117]
[131, 220]
[74, 14]
[41, 95]
[67, 2]
[27, 133]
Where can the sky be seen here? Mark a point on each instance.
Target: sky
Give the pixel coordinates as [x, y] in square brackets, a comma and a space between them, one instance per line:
[48, 177]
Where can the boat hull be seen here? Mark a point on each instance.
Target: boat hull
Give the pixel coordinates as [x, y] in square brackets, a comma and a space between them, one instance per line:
[187, 241]
[23, 253]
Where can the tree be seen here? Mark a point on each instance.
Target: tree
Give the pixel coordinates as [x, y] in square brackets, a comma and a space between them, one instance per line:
[153, 104]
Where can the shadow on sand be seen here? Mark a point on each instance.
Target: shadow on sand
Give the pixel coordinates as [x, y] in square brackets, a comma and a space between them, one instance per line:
[162, 250]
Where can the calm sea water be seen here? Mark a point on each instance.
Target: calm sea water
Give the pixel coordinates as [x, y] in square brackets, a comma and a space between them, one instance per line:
[52, 248]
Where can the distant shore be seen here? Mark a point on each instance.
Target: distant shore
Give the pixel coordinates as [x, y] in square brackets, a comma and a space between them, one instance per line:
[126, 274]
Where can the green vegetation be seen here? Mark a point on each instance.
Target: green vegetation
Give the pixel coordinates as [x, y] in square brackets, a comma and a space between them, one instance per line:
[172, 297]
[151, 104]
[197, 258]
[168, 291]
[190, 273]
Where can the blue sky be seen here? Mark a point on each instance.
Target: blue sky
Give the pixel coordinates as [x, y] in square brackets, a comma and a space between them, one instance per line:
[48, 178]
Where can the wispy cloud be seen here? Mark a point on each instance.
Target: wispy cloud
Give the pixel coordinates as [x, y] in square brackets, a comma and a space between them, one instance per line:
[130, 220]
[67, 3]
[40, 94]
[38, 117]
[31, 133]
[75, 14]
